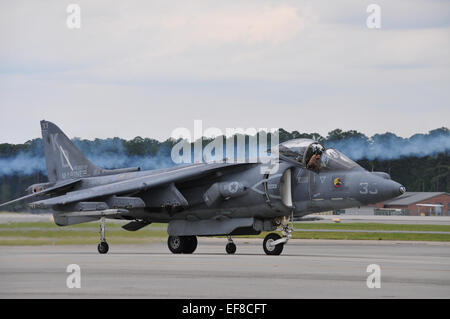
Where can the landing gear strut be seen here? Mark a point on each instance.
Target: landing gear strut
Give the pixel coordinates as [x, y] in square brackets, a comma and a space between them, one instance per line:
[182, 244]
[103, 245]
[231, 246]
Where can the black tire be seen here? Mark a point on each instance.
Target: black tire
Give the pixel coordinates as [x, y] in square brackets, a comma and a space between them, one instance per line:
[272, 250]
[190, 244]
[176, 244]
[230, 248]
[103, 247]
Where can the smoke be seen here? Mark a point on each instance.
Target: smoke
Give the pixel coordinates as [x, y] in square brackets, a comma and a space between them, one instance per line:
[389, 146]
[113, 153]
[107, 154]
[22, 164]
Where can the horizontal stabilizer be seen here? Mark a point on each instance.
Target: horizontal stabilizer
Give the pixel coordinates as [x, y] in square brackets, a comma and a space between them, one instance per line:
[119, 170]
[58, 187]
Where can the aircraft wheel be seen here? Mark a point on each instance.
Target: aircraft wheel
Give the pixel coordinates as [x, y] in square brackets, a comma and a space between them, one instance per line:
[268, 248]
[103, 247]
[230, 248]
[190, 244]
[176, 244]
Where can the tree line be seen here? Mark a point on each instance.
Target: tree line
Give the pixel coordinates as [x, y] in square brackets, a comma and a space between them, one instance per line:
[416, 170]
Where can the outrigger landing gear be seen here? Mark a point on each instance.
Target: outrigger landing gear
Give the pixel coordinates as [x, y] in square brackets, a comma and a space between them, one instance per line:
[103, 245]
[182, 244]
[273, 243]
[231, 246]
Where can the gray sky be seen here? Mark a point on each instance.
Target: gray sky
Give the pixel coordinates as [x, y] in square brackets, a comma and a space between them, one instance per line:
[147, 67]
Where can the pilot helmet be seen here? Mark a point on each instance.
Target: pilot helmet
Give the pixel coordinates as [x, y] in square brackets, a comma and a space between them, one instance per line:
[317, 149]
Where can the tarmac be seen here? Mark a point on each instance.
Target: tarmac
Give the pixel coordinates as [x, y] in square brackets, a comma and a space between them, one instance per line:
[306, 269]
[348, 218]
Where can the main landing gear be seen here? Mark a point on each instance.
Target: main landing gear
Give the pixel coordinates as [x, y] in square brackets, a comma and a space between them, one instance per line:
[273, 243]
[182, 244]
[188, 244]
[103, 245]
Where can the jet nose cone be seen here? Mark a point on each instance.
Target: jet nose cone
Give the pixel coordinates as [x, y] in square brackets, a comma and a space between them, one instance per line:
[374, 189]
[392, 189]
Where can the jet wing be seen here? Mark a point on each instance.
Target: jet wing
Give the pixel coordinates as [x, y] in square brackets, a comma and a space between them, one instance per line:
[56, 188]
[159, 178]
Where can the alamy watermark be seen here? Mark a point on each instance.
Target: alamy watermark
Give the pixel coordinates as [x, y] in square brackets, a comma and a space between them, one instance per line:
[374, 19]
[74, 279]
[73, 20]
[374, 279]
[190, 148]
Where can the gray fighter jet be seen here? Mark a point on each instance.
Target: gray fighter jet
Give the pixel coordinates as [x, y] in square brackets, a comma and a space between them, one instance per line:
[205, 199]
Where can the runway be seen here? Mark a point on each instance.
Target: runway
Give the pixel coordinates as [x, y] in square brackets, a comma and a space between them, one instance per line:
[306, 269]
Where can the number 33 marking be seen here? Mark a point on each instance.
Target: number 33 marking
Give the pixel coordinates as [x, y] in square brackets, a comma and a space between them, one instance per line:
[365, 189]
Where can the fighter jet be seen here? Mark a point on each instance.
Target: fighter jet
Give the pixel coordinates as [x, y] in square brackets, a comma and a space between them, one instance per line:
[205, 199]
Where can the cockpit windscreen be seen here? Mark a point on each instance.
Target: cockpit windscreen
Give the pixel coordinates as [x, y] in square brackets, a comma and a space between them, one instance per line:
[314, 156]
[333, 160]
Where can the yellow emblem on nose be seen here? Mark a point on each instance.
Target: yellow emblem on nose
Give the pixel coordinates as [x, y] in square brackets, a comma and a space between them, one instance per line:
[337, 182]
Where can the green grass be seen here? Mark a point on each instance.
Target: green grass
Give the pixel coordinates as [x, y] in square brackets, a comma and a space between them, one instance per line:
[51, 225]
[367, 236]
[373, 226]
[47, 233]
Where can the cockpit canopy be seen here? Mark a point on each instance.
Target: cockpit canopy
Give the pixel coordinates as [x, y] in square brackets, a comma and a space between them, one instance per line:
[312, 155]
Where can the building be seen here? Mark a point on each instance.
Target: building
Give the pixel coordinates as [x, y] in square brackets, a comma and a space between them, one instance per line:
[416, 204]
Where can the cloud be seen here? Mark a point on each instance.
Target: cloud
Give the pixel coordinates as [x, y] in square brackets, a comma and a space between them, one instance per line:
[231, 63]
[267, 24]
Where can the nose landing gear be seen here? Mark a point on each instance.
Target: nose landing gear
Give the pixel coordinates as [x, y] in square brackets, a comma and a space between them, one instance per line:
[269, 247]
[273, 243]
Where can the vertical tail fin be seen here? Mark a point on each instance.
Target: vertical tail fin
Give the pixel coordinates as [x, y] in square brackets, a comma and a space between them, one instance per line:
[63, 159]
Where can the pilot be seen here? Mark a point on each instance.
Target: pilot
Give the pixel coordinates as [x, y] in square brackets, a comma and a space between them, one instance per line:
[313, 163]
